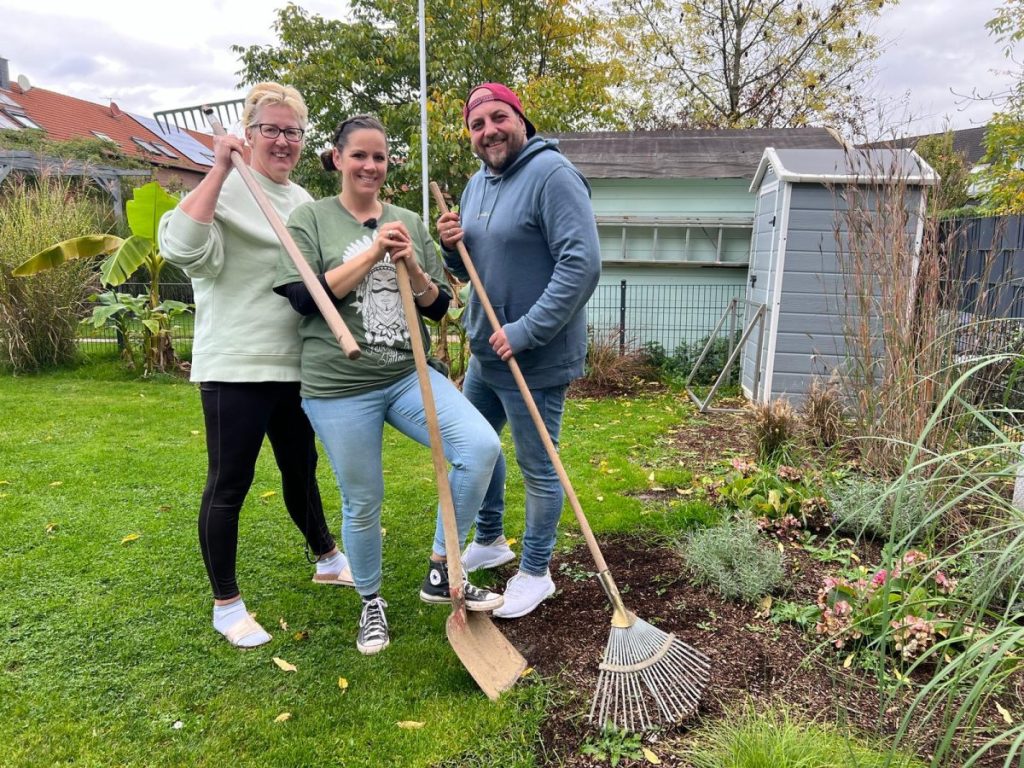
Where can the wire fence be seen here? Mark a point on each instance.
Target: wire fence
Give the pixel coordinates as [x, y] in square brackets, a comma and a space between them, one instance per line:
[630, 315]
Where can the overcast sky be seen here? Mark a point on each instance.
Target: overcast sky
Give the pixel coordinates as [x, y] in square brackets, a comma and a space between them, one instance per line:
[149, 57]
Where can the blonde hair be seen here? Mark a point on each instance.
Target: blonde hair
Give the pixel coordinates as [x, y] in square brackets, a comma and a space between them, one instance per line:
[271, 94]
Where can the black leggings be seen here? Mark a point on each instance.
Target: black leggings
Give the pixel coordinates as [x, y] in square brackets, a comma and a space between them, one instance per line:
[237, 416]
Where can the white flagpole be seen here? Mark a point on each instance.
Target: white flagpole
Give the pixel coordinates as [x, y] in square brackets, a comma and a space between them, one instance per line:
[423, 114]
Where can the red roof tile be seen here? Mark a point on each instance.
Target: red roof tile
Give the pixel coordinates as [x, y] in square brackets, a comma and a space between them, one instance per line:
[65, 117]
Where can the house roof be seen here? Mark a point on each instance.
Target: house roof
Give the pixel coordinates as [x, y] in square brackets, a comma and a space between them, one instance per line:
[681, 154]
[969, 142]
[65, 117]
[845, 166]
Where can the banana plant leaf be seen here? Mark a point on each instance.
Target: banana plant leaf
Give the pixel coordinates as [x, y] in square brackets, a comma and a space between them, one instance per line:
[85, 247]
[149, 202]
[122, 264]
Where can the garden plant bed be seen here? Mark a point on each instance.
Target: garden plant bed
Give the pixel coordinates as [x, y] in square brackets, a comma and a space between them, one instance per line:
[752, 657]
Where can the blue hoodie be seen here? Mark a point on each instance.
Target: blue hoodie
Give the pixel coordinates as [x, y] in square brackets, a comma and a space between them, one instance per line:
[533, 239]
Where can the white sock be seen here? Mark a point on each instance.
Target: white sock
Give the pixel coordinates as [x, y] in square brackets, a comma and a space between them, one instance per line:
[225, 616]
[333, 564]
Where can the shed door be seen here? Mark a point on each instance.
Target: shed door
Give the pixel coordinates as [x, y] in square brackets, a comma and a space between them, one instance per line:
[764, 245]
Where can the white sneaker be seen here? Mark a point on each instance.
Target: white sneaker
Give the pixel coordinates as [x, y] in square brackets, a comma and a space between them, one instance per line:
[491, 555]
[524, 593]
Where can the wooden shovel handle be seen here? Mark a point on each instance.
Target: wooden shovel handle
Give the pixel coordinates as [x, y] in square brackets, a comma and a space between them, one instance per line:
[444, 490]
[517, 374]
[323, 301]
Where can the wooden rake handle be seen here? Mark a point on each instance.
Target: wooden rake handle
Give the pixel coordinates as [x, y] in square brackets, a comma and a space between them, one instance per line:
[444, 490]
[323, 301]
[517, 374]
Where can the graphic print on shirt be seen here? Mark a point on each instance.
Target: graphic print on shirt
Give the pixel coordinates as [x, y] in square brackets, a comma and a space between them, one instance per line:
[380, 304]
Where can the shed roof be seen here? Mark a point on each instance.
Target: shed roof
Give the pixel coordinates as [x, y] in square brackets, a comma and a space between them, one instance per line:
[969, 142]
[845, 166]
[681, 154]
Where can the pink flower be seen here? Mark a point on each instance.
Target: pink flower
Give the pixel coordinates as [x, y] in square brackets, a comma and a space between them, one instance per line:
[880, 578]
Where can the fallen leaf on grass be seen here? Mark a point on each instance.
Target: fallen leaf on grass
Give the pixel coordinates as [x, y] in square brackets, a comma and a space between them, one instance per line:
[52, 527]
[301, 635]
[410, 725]
[177, 725]
[600, 498]
[1004, 713]
[343, 683]
[130, 538]
[526, 671]
[284, 665]
[267, 494]
[5, 482]
[652, 758]
[56, 483]
[195, 431]
[510, 542]
[764, 608]
[282, 623]
[282, 717]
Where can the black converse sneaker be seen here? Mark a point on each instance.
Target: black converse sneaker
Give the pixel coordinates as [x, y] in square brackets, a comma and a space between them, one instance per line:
[435, 590]
[373, 627]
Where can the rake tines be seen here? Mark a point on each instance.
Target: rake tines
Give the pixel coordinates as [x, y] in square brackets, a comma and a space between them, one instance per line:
[644, 666]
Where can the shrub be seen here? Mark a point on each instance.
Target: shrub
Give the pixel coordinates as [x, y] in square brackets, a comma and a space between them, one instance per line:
[680, 363]
[39, 315]
[780, 496]
[823, 413]
[748, 739]
[610, 368]
[774, 429]
[904, 604]
[863, 505]
[734, 559]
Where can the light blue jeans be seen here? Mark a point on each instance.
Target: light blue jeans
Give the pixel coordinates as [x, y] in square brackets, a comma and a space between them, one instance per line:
[352, 431]
[544, 495]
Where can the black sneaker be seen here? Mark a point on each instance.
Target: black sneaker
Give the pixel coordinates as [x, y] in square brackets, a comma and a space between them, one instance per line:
[435, 590]
[373, 627]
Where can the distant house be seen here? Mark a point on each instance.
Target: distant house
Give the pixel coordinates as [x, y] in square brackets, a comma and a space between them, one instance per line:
[969, 142]
[674, 208]
[179, 158]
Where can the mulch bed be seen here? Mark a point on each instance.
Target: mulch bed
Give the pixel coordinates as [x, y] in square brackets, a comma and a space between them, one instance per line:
[751, 657]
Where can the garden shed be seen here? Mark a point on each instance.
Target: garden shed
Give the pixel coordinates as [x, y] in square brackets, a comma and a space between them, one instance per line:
[804, 262]
[674, 215]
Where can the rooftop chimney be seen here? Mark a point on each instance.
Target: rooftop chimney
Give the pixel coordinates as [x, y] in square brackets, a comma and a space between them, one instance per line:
[5, 75]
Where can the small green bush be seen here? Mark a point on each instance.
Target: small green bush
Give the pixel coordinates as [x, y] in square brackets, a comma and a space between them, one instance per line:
[864, 505]
[680, 363]
[734, 559]
[749, 739]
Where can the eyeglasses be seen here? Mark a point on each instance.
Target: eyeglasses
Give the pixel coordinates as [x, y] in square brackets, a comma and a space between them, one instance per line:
[271, 131]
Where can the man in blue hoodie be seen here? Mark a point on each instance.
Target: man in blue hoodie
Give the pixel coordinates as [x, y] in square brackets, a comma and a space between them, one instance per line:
[527, 221]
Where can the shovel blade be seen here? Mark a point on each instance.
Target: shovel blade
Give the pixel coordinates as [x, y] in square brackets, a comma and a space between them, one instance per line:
[488, 656]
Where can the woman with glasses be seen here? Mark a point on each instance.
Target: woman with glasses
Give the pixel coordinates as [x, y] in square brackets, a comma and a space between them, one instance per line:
[246, 351]
[352, 242]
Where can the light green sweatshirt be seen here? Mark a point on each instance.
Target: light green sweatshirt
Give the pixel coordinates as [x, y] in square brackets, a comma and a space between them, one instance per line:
[244, 331]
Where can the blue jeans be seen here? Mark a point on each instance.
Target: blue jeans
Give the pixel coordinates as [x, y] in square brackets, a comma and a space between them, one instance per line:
[544, 495]
[352, 431]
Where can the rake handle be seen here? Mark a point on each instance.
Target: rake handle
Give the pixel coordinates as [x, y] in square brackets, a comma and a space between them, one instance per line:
[444, 490]
[531, 406]
[323, 302]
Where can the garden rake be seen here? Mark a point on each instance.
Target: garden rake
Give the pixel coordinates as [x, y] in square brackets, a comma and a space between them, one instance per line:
[642, 665]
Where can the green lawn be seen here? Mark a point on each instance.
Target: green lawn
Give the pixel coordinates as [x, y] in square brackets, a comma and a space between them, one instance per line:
[107, 654]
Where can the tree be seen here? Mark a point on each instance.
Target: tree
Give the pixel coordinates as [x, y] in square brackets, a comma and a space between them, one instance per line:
[541, 48]
[749, 63]
[1002, 178]
[937, 150]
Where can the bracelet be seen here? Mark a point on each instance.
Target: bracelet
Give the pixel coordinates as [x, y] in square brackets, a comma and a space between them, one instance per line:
[416, 295]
